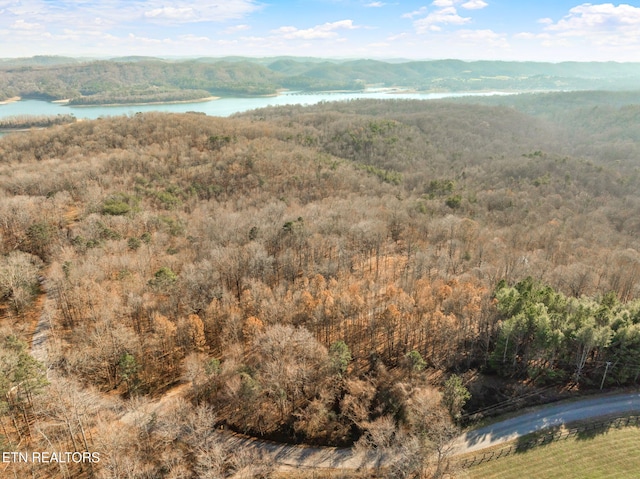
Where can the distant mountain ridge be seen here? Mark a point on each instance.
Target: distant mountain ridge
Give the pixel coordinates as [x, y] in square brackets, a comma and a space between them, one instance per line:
[38, 60]
[142, 78]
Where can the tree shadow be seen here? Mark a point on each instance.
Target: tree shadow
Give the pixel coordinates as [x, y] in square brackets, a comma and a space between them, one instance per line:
[591, 431]
[537, 439]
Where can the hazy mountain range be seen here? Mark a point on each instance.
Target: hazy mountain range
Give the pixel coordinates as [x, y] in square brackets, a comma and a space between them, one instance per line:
[122, 80]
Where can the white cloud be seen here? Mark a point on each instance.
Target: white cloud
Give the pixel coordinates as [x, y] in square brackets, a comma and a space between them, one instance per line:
[22, 25]
[474, 5]
[184, 11]
[99, 27]
[443, 3]
[588, 32]
[605, 26]
[326, 30]
[445, 13]
[236, 28]
[74, 12]
[469, 4]
[415, 13]
[393, 38]
[18, 8]
[69, 33]
[484, 38]
[194, 39]
[444, 16]
[145, 40]
[375, 4]
[525, 35]
[183, 14]
[596, 19]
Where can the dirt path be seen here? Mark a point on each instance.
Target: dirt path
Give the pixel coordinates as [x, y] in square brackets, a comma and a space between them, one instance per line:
[159, 406]
[295, 457]
[47, 305]
[43, 326]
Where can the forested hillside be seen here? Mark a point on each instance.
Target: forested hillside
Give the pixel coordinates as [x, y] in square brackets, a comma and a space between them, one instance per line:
[327, 274]
[107, 82]
[148, 79]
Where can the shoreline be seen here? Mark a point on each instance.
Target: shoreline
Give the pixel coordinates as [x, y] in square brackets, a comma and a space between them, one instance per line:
[7, 131]
[173, 102]
[10, 100]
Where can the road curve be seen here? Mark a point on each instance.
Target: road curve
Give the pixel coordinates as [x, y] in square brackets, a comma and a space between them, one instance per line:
[299, 457]
[295, 457]
[546, 417]
[303, 457]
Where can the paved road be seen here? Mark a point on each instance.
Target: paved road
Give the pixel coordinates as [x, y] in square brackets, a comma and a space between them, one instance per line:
[545, 417]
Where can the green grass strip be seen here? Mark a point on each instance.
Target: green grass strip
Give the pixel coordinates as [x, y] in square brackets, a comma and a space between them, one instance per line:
[614, 454]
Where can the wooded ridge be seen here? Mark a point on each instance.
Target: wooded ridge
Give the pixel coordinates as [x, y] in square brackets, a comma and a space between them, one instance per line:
[147, 79]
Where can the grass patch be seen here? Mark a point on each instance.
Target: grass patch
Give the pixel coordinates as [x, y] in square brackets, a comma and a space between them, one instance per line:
[612, 454]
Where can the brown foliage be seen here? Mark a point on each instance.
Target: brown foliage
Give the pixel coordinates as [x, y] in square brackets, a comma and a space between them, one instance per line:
[294, 235]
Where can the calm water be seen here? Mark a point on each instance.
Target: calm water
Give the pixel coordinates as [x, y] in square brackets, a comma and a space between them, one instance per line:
[221, 107]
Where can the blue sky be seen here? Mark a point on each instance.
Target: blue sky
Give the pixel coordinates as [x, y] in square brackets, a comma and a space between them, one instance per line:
[541, 30]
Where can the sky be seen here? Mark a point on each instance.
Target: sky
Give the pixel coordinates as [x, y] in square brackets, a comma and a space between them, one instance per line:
[540, 30]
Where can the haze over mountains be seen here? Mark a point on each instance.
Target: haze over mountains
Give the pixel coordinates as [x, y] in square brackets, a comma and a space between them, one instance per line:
[149, 79]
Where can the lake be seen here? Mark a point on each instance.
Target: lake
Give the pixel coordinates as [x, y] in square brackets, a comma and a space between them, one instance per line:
[221, 107]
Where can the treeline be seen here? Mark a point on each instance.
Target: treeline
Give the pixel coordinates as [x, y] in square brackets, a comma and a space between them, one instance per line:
[37, 60]
[144, 95]
[35, 121]
[552, 338]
